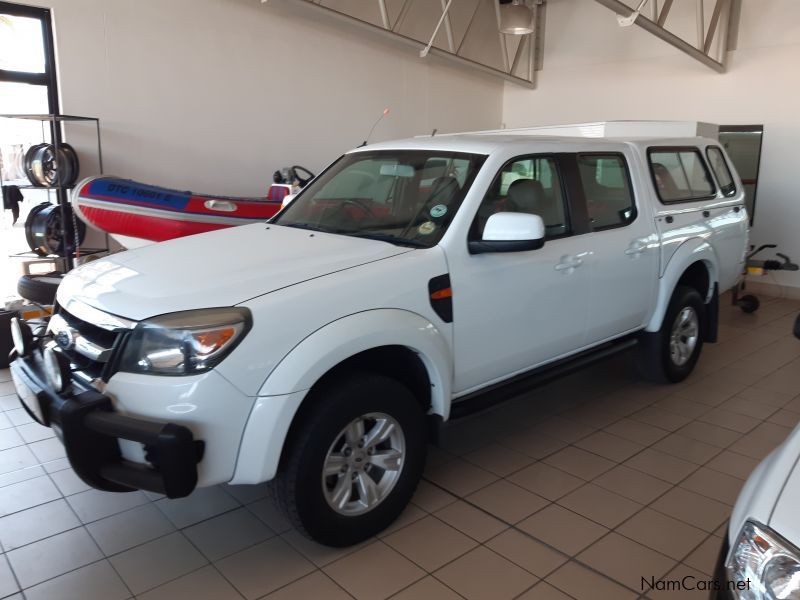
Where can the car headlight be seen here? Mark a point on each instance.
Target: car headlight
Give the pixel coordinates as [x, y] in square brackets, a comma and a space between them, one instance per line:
[770, 563]
[184, 343]
[22, 336]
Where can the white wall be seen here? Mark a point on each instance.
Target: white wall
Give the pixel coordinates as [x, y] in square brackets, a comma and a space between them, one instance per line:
[594, 70]
[215, 95]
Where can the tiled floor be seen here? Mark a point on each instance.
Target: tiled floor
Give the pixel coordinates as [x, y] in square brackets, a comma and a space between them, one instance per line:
[576, 491]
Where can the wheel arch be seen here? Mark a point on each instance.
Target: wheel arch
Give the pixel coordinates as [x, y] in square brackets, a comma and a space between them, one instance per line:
[368, 339]
[694, 264]
[371, 339]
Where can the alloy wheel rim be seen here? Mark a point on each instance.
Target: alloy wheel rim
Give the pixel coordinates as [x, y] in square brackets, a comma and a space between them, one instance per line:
[363, 464]
[684, 336]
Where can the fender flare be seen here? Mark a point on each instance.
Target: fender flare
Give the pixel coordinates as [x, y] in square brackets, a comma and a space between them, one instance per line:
[689, 252]
[332, 344]
[286, 387]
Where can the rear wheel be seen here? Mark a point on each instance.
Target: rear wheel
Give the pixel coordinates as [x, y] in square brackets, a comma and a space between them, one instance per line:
[670, 354]
[355, 460]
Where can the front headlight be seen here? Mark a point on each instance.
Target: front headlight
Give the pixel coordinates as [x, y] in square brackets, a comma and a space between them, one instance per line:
[184, 343]
[770, 563]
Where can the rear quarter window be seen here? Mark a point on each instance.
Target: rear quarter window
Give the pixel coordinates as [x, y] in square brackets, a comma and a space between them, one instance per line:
[680, 175]
[721, 171]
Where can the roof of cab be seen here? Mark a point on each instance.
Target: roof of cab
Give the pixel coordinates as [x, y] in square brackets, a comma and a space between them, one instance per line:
[489, 143]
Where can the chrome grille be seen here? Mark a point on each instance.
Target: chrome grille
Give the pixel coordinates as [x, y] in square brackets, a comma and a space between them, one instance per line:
[88, 346]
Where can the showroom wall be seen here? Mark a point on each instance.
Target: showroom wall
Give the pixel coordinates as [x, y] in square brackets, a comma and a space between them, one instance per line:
[595, 70]
[215, 95]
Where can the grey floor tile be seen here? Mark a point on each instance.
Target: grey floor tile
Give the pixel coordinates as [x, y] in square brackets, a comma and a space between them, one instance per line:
[8, 585]
[528, 553]
[130, 528]
[18, 416]
[26, 494]
[484, 575]
[93, 505]
[264, 568]
[266, 510]
[33, 524]
[48, 450]
[248, 493]
[68, 482]
[53, 556]
[200, 505]
[33, 432]
[9, 438]
[147, 566]
[203, 584]
[21, 475]
[97, 581]
[16, 458]
[228, 533]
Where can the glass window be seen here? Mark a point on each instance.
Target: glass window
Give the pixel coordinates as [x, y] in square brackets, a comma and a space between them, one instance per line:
[527, 185]
[721, 171]
[402, 197]
[680, 175]
[21, 44]
[607, 189]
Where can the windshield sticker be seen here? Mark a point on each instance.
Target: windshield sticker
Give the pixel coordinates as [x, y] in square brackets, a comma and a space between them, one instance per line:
[427, 228]
[438, 211]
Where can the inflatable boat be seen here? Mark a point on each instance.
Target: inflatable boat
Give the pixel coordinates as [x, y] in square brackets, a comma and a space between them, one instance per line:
[136, 214]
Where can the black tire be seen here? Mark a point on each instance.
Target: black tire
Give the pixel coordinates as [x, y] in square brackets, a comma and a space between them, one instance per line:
[749, 303]
[298, 486]
[655, 358]
[40, 289]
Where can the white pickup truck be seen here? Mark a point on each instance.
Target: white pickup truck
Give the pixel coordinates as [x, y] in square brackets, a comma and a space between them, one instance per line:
[410, 282]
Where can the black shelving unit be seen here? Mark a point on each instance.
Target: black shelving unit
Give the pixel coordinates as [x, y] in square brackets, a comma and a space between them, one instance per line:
[56, 135]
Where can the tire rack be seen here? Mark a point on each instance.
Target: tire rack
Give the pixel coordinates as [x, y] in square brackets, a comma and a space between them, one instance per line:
[56, 136]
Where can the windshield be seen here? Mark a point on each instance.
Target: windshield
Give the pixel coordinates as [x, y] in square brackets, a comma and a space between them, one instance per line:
[404, 197]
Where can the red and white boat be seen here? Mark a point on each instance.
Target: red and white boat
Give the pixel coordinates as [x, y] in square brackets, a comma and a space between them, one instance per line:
[136, 214]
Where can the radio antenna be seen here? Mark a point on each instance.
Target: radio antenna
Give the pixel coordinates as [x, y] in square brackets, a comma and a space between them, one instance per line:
[374, 125]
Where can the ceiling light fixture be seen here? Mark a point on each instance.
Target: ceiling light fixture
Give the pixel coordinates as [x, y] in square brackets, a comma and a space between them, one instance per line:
[516, 18]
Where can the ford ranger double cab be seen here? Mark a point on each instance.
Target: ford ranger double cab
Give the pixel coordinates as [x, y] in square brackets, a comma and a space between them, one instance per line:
[410, 282]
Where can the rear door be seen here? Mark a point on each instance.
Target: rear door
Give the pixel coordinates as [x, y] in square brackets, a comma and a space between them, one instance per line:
[624, 263]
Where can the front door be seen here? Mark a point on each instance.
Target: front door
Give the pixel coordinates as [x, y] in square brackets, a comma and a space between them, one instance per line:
[516, 310]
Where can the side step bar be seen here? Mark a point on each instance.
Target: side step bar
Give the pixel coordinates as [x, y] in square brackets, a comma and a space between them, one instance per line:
[511, 388]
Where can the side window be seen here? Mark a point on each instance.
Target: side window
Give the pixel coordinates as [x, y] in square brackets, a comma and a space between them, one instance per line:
[721, 171]
[607, 188]
[680, 174]
[529, 185]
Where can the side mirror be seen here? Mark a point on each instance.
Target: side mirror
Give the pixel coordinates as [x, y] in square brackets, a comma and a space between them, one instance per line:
[797, 327]
[510, 232]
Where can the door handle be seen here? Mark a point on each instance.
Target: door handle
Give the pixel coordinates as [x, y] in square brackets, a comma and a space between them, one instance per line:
[636, 248]
[568, 263]
[220, 205]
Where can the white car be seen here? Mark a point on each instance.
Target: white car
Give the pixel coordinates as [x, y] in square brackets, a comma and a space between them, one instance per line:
[760, 556]
[410, 282]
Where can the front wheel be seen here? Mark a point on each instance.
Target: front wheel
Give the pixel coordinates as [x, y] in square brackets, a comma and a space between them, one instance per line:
[354, 461]
[671, 353]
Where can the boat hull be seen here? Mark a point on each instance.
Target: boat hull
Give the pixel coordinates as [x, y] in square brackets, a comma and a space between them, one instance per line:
[136, 214]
